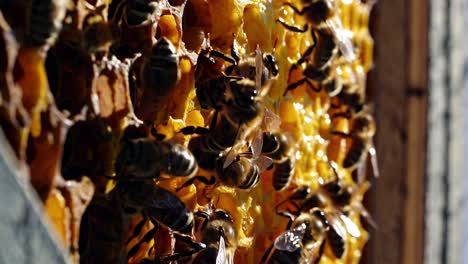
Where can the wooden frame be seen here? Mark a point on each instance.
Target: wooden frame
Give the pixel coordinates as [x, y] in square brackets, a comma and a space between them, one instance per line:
[417, 202]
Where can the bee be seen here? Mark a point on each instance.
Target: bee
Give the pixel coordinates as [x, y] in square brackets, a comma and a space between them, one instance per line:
[320, 66]
[321, 15]
[146, 159]
[353, 100]
[213, 83]
[278, 147]
[324, 22]
[160, 70]
[155, 204]
[135, 22]
[45, 22]
[208, 147]
[152, 77]
[243, 106]
[332, 199]
[220, 237]
[361, 134]
[239, 170]
[305, 238]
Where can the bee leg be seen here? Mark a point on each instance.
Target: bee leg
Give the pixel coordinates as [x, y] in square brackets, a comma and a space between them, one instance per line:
[223, 56]
[205, 217]
[137, 229]
[338, 133]
[294, 8]
[267, 253]
[187, 240]
[309, 50]
[146, 239]
[346, 115]
[202, 179]
[293, 28]
[190, 130]
[196, 247]
[293, 86]
[234, 54]
[158, 136]
[288, 215]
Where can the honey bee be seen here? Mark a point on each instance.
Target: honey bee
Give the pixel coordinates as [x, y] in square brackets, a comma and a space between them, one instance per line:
[213, 83]
[219, 235]
[152, 76]
[278, 147]
[361, 134]
[305, 238]
[332, 199]
[45, 22]
[324, 22]
[209, 146]
[321, 16]
[160, 70]
[233, 169]
[156, 204]
[354, 102]
[218, 239]
[243, 106]
[135, 22]
[143, 159]
[243, 172]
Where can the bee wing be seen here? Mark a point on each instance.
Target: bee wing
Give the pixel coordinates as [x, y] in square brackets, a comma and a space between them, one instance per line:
[373, 159]
[336, 223]
[271, 120]
[221, 257]
[263, 162]
[351, 227]
[258, 68]
[257, 143]
[364, 213]
[232, 154]
[230, 157]
[362, 169]
[342, 38]
[291, 240]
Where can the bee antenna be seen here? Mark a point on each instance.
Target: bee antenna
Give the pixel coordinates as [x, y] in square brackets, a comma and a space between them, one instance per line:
[274, 44]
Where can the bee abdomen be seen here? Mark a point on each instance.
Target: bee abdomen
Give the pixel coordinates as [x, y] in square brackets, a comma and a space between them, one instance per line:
[270, 143]
[337, 243]
[354, 154]
[252, 178]
[181, 161]
[210, 93]
[161, 74]
[176, 216]
[283, 174]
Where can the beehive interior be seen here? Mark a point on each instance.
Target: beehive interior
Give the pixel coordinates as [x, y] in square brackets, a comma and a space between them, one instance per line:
[74, 89]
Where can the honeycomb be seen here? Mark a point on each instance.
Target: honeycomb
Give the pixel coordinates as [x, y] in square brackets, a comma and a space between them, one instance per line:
[74, 88]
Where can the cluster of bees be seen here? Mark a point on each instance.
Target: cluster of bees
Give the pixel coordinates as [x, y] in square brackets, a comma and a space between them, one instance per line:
[193, 131]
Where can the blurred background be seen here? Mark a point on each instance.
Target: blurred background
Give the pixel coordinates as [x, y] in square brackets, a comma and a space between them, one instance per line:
[418, 87]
